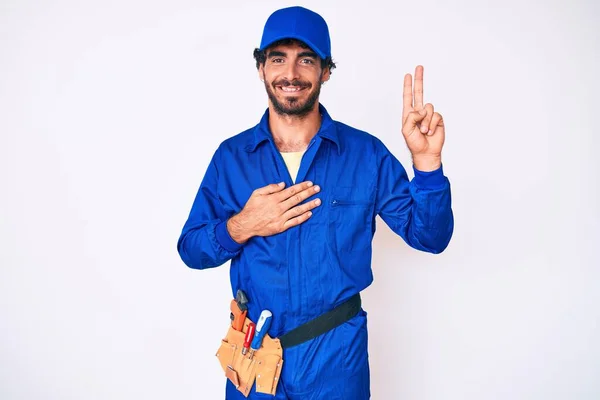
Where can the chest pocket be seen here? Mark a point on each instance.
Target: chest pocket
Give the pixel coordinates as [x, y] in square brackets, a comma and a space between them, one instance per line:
[351, 214]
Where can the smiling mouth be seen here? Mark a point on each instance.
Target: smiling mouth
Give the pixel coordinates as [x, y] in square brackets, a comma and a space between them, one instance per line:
[291, 89]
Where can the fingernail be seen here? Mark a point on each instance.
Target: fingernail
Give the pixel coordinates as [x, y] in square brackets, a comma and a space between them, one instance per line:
[281, 184]
[309, 213]
[424, 129]
[309, 183]
[317, 188]
[318, 201]
[430, 133]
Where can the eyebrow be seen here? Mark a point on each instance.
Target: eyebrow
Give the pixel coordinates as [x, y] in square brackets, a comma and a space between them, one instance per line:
[308, 54]
[275, 53]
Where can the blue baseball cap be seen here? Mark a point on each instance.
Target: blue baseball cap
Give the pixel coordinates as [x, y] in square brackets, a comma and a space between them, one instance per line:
[298, 23]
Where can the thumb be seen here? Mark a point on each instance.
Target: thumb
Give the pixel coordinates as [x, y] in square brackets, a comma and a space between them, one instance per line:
[270, 189]
[414, 117]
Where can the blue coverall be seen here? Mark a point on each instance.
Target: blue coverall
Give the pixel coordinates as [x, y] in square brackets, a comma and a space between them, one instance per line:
[309, 269]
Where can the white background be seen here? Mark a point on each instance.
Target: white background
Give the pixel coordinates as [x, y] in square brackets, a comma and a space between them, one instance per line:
[110, 111]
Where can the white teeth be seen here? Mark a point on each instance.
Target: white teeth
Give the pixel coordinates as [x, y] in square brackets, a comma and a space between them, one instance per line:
[290, 89]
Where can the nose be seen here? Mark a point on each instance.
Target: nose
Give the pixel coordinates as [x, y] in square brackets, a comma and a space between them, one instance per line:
[291, 71]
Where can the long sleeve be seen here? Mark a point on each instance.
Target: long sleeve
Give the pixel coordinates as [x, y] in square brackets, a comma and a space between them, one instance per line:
[419, 210]
[204, 241]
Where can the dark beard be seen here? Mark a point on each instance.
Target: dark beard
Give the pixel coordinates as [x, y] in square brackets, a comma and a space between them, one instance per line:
[292, 106]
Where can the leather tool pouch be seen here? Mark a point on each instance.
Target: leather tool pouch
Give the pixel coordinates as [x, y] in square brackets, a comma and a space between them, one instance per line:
[264, 367]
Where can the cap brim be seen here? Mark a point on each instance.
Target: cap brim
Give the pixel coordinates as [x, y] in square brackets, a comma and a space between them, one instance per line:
[298, 37]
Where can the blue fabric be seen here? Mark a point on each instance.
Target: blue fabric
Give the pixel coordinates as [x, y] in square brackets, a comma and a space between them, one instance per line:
[298, 23]
[307, 270]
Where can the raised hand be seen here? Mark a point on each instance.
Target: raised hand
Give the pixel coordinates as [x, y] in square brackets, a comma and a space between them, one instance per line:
[423, 129]
[271, 210]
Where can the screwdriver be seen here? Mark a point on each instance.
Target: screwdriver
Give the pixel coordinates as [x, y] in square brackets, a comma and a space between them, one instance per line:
[249, 337]
[264, 322]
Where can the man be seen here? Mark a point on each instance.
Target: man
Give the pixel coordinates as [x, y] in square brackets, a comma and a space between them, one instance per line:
[292, 203]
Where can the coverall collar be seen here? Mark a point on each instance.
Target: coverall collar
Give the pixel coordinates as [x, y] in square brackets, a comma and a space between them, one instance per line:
[263, 133]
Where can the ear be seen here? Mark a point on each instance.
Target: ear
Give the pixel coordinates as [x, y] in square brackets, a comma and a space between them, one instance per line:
[325, 74]
[261, 72]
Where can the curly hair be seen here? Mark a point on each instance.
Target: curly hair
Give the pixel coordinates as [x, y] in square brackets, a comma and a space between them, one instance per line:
[261, 55]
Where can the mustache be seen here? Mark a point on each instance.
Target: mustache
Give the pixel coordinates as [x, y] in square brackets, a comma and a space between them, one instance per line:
[295, 82]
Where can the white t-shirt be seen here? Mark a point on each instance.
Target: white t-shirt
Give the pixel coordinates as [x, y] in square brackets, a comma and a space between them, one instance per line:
[292, 161]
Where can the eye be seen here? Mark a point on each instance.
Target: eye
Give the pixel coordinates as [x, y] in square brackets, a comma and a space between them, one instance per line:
[277, 60]
[308, 61]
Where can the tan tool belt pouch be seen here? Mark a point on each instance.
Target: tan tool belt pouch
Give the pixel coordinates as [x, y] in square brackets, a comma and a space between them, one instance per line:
[264, 367]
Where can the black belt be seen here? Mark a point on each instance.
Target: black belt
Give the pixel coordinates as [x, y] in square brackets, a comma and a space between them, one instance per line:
[323, 323]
